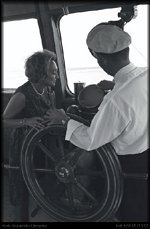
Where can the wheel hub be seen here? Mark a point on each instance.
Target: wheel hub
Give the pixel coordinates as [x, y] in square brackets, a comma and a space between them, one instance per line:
[64, 172]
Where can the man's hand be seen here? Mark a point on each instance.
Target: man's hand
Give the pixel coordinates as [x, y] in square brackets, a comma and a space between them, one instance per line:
[106, 85]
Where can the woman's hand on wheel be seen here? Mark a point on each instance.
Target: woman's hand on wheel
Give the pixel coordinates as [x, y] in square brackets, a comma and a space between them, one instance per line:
[55, 116]
[35, 122]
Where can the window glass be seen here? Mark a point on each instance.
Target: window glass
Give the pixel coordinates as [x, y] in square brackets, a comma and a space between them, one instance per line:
[80, 65]
[20, 40]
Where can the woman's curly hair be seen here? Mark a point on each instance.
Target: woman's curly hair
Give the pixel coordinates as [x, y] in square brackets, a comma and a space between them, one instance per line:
[36, 65]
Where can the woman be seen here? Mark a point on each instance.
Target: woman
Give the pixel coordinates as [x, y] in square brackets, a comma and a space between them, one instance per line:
[33, 99]
[27, 109]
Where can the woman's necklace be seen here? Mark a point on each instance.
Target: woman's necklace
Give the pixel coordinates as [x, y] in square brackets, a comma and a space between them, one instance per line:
[36, 90]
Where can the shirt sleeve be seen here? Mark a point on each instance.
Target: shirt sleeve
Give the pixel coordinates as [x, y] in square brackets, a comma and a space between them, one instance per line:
[108, 123]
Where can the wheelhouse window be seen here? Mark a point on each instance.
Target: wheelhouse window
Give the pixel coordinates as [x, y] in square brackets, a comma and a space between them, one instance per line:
[20, 39]
[80, 65]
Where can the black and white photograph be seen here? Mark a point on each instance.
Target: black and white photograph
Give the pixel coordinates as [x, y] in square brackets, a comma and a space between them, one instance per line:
[75, 94]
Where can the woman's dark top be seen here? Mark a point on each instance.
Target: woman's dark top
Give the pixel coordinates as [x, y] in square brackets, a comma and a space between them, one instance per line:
[36, 105]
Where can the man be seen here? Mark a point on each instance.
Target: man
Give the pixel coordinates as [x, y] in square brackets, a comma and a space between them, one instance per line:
[122, 117]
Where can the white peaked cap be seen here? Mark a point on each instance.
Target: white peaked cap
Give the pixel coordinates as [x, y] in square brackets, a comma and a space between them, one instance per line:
[107, 39]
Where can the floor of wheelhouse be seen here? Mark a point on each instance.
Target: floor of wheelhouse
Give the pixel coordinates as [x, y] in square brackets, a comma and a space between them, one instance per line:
[7, 210]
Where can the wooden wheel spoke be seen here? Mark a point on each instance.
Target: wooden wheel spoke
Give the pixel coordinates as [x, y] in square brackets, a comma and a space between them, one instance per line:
[61, 147]
[86, 192]
[74, 159]
[46, 151]
[70, 195]
[41, 170]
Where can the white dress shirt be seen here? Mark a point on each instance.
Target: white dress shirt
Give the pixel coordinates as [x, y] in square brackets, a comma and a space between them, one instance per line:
[122, 117]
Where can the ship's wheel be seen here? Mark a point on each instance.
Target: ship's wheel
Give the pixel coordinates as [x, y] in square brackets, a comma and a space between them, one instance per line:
[69, 183]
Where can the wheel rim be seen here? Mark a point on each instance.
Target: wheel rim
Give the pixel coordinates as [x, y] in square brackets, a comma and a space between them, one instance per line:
[67, 178]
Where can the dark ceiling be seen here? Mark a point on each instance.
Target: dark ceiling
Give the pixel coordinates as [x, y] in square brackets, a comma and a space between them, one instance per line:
[22, 9]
